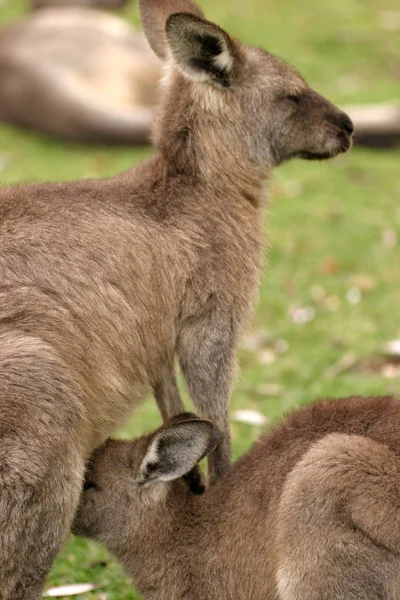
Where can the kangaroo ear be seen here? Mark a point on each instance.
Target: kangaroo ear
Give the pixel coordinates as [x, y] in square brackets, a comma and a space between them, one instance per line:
[202, 50]
[154, 15]
[176, 448]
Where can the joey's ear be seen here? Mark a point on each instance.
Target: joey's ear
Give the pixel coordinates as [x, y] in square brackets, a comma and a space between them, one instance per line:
[154, 15]
[202, 50]
[176, 448]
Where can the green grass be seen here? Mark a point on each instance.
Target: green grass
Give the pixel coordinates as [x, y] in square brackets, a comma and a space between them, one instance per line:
[325, 225]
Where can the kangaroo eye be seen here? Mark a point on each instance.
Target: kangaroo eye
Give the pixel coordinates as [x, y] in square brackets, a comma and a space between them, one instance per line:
[293, 98]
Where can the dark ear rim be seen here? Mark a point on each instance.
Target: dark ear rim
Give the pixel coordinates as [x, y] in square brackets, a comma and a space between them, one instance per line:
[154, 15]
[179, 17]
[216, 437]
[174, 424]
[186, 16]
[220, 74]
[179, 418]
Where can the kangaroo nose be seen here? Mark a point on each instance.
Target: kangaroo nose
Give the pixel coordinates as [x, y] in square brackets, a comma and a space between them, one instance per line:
[347, 124]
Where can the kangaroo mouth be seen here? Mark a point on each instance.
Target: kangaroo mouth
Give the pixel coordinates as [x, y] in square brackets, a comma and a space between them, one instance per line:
[345, 142]
[315, 155]
[341, 144]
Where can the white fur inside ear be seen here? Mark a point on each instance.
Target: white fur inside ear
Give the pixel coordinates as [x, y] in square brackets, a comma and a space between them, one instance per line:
[174, 451]
[201, 50]
[194, 74]
[151, 457]
[224, 61]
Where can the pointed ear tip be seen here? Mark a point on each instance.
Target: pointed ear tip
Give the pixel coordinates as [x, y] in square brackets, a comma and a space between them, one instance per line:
[180, 18]
[190, 420]
[215, 438]
[213, 431]
[214, 435]
[183, 417]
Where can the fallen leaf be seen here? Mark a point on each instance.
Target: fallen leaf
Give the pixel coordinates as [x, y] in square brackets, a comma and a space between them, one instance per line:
[71, 590]
[392, 350]
[390, 371]
[354, 295]
[302, 314]
[266, 357]
[252, 417]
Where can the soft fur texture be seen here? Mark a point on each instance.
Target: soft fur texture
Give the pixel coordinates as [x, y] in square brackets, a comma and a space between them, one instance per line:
[108, 4]
[78, 74]
[104, 282]
[312, 512]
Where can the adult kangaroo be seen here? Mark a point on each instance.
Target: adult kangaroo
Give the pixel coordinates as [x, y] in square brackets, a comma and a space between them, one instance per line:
[104, 282]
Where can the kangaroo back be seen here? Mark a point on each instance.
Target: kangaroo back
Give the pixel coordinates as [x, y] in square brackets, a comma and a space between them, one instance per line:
[338, 523]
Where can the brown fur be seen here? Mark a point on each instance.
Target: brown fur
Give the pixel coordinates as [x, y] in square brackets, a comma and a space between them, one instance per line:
[78, 74]
[312, 512]
[107, 4]
[104, 282]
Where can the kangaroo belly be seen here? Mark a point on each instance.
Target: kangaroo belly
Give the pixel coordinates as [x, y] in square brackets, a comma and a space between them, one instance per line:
[101, 343]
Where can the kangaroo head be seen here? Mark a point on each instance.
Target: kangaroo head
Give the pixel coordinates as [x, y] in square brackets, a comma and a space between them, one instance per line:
[223, 99]
[126, 481]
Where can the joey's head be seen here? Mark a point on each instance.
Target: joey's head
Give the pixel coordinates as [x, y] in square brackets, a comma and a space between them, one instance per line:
[224, 102]
[127, 484]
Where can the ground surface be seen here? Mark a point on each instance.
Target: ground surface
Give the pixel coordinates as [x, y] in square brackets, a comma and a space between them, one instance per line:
[334, 231]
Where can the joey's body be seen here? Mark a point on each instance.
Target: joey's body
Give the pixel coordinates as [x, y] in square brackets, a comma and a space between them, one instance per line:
[311, 512]
[103, 283]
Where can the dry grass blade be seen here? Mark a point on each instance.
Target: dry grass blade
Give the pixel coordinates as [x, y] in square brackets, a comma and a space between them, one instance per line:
[252, 417]
[71, 590]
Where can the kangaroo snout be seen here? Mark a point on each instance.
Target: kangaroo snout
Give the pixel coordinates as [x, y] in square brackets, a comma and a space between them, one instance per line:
[345, 131]
[347, 124]
[338, 127]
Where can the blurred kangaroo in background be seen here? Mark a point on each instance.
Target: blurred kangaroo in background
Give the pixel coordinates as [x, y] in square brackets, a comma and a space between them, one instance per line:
[104, 282]
[78, 74]
[106, 4]
[312, 512]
